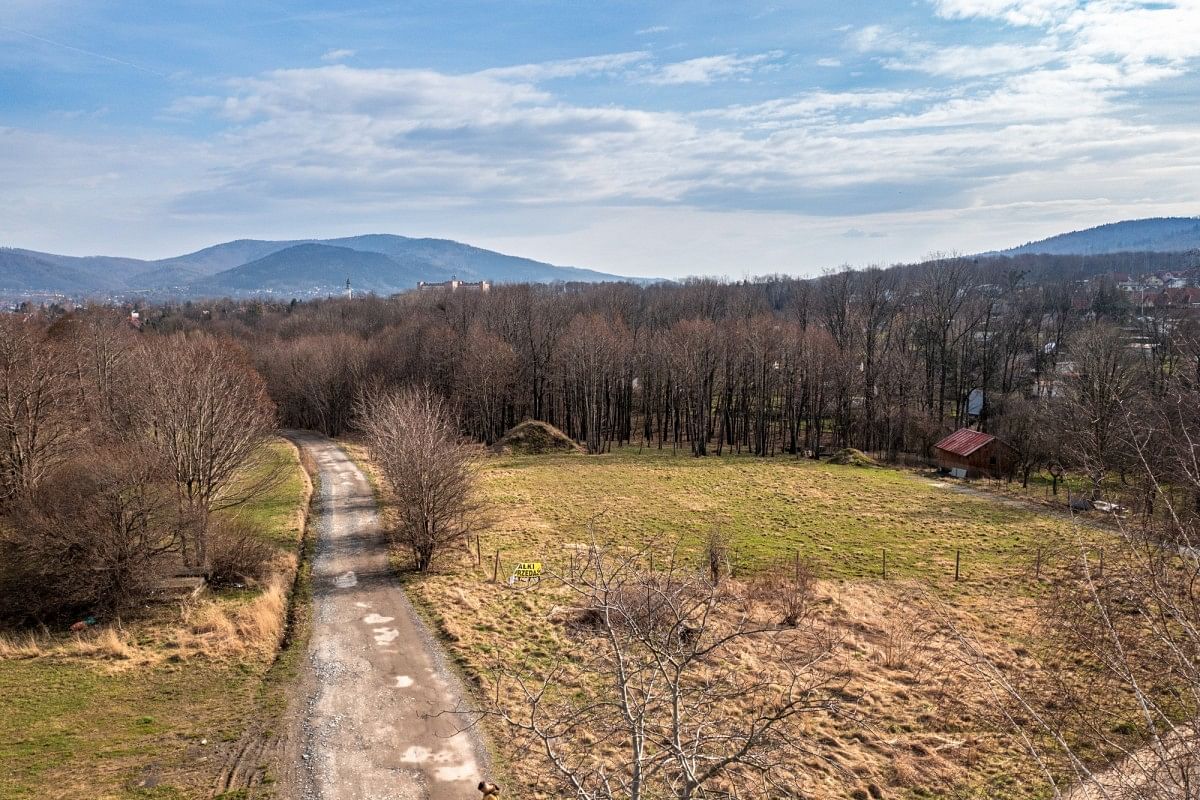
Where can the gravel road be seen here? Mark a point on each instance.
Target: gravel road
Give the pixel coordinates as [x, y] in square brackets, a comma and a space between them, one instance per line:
[377, 679]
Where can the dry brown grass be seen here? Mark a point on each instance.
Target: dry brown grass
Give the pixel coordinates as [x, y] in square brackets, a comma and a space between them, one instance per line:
[110, 642]
[21, 645]
[918, 720]
[215, 628]
[923, 724]
[106, 643]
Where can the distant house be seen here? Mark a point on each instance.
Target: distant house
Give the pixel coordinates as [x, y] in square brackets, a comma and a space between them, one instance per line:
[454, 285]
[1179, 298]
[973, 454]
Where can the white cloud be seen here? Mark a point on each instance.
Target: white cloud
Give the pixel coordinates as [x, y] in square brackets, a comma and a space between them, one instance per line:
[613, 63]
[340, 54]
[1014, 12]
[1011, 141]
[651, 30]
[878, 38]
[708, 69]
[965, 61]
[828, 62]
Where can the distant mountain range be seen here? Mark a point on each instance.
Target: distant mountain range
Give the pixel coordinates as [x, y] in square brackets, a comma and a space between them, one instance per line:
[1158, 235]
[379, 263]
[385, 264]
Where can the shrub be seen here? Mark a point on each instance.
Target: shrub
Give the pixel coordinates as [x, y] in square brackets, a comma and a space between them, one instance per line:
[413, 438]
[95, 537]
[237, 554]
[787, 587]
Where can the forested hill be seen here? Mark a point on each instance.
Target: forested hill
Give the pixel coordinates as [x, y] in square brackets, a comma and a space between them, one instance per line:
[1158, 235]
[380, 263]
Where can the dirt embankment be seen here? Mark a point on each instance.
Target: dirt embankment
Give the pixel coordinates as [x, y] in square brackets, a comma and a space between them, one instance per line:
[536, 438]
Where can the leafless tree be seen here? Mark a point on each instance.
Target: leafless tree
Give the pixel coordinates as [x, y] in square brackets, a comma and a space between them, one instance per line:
[206, 411]
[675, 711]
[414, 440]
[40, 419]
[1091, 410]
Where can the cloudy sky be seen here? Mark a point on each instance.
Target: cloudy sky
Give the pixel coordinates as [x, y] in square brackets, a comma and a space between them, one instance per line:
[643, 138]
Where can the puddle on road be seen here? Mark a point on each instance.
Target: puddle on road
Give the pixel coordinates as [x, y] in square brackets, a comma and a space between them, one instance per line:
[346, 580]
[457, 760]
[376, 619]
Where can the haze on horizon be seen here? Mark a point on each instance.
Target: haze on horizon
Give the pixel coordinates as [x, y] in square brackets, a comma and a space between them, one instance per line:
[661, 139]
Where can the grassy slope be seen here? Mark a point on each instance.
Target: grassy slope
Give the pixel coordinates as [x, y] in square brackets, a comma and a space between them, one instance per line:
[840, 517]
[85, 728]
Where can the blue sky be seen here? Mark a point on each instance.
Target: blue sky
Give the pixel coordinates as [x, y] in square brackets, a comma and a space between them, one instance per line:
[640, 138]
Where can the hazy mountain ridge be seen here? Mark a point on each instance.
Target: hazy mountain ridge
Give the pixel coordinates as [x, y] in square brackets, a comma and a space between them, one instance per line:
[319, 268]
[385, 263]
[380, 263]
[1154, 235]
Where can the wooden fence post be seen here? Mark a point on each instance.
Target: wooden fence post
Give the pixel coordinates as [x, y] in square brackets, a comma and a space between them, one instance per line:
[496, 567]
[478, 550]
[957, 554]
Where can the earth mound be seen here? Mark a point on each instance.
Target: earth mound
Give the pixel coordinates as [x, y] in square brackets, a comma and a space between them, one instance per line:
[853, 458]
[532, 438]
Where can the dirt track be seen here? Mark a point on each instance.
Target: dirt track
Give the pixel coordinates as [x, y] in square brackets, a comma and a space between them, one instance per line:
[376, 678]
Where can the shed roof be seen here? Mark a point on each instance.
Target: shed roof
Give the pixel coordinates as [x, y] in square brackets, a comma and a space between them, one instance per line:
[965, 441]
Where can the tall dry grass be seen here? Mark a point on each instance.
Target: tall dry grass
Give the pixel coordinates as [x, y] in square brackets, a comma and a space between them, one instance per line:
[21, 645]
[107, 642]
[255, 627]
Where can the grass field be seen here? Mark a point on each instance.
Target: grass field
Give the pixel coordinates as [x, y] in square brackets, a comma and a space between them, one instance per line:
[156, 716]
[925, 738]
[840, 517]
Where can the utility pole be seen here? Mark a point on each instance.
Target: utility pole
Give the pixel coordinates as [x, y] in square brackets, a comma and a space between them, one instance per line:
[349, 291]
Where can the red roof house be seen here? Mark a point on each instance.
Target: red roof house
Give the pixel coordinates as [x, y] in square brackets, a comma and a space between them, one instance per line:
[972, 454]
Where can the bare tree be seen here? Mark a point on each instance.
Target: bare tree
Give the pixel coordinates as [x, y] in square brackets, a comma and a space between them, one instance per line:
[668, 701]
[40, 420]
[1091, 413]
[206, 411]
[413, 439]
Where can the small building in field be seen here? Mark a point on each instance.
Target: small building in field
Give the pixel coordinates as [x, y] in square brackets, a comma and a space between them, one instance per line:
[974, 454]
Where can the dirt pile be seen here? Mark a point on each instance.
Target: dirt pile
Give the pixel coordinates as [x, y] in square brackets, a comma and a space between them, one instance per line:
[853, 458]
[535, 438]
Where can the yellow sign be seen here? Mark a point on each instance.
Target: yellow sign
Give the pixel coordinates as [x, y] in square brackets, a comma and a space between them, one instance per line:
[528, 569]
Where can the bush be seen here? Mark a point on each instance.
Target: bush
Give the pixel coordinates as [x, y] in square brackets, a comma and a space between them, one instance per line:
[787, 587]
[94, 538]
[413, 439]
[237, 554]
